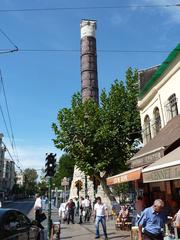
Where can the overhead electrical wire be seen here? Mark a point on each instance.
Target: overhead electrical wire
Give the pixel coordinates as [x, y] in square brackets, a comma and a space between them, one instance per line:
[89, 8]
[100, 51]
[70, 50]
[15, 49]
[10, 136]
[4, 120]
[7, 130]
[11, 157]
[9, 117]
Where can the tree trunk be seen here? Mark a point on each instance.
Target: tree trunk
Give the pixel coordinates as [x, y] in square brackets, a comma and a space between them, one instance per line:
[106, 188]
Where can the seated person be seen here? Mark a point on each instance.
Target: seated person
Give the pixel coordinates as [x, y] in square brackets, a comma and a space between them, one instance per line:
[123, 214]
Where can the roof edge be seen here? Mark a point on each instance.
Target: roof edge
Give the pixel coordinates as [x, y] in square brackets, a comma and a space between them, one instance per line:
[172, 55]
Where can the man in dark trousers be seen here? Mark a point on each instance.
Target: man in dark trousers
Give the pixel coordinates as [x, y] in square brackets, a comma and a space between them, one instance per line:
[152, 221]
[87, 208]
[70, 207]
[38, 210]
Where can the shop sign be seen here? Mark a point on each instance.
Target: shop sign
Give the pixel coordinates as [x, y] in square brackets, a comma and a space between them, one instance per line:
[65, 182]
[147, 159]
[121, 179]
[126, 177]
[164, 174]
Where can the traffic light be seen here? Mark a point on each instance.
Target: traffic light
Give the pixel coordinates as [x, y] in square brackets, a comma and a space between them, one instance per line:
[50, 166]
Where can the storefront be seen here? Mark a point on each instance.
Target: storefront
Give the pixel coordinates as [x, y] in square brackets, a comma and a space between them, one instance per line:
[133, 176]
[163, 177]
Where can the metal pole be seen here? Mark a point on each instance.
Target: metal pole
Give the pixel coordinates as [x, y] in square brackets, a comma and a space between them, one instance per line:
[95, 188]
[86, 190]
[49, 207]
[56, 191]
[65, 193]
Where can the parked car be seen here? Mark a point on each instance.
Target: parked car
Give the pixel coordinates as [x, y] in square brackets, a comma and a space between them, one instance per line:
[16, 225]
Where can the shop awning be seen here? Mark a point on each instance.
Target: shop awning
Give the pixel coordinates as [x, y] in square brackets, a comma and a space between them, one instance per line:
[127, 176]
[165, 169]
[155, 148]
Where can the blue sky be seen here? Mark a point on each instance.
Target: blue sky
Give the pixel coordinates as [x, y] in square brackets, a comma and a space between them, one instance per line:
[38, 84]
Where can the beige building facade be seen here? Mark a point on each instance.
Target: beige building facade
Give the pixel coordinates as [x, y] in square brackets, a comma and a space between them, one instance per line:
[155, 168]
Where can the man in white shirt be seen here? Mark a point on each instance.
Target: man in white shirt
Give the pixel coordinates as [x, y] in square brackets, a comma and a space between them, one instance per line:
[100, 214]
[38, 210]
[87, 208]
[38, 203]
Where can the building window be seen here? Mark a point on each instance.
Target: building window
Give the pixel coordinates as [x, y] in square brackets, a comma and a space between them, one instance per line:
[147, 129]
[157, 121]
[171, 107]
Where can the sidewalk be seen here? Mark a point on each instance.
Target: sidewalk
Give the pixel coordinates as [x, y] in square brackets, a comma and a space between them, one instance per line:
[85, 231]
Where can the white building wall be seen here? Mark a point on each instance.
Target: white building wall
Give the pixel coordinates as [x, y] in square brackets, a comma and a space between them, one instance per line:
[167, 85]
[172, 86]
[19, 179]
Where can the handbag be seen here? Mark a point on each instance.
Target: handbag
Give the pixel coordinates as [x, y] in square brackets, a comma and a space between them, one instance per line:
[42, 217]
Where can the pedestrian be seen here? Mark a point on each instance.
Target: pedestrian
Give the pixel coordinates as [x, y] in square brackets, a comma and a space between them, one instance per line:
[176, 220]
[100, 216]
[46, 203]
[38, 210]
[62, 212]
[81, 209]
[43, 203]
[87, 209]
[70, 208]
[76, 211]
[152, 220]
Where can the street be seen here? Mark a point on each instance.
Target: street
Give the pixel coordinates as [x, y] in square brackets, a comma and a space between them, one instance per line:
[72, 231]
[24, 206]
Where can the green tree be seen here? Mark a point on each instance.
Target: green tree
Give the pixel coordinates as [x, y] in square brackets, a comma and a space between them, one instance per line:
[30, 180]
[98, 137]
[121, 190]
[133, 119]
[42, 186]
[65, 168]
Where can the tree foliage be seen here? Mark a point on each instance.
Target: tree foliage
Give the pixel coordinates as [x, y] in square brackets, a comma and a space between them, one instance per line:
[30, 180]
[65, 168]
[42, 186]
[100, 137]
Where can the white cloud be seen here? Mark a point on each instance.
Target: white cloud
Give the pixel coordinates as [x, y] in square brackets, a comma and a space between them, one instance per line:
[31, 156]
[173, 12]
[116, 19]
